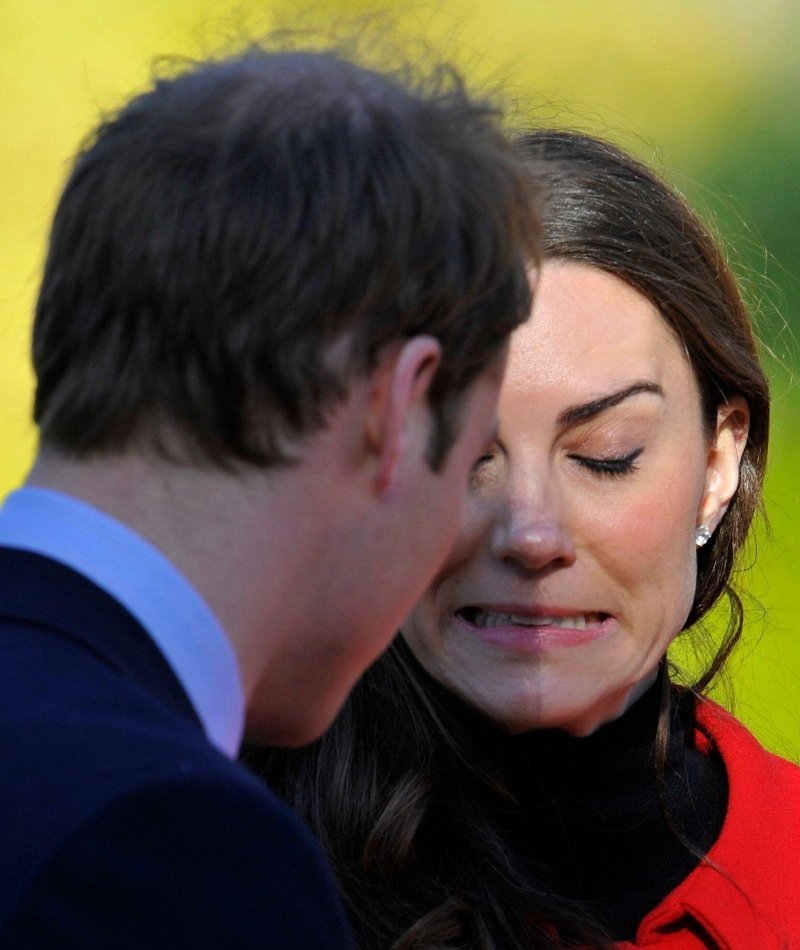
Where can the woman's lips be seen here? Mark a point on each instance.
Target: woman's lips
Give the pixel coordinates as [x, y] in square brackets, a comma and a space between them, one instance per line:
[530, 632]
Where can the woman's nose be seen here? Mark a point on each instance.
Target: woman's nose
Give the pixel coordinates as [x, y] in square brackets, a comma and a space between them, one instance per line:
[529, 532]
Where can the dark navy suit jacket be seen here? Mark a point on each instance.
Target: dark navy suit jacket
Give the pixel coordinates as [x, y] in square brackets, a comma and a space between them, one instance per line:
[120, 825]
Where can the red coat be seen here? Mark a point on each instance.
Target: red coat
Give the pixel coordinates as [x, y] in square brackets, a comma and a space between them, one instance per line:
[758, 907]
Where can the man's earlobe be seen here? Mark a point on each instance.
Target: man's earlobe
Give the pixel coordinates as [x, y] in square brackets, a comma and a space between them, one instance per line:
[398, 415]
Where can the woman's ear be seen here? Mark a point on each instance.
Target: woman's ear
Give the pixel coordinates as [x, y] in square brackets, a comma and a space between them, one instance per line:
[724, 459]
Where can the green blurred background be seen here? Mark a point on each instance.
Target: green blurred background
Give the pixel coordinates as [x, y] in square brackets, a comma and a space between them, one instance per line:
[707, 89]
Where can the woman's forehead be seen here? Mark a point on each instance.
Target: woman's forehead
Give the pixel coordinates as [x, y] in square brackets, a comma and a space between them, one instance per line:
[588, 333]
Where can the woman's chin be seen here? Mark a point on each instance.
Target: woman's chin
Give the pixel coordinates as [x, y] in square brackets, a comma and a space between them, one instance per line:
[523, 710]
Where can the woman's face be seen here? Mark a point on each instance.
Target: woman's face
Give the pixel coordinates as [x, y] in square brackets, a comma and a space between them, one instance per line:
[576, 562]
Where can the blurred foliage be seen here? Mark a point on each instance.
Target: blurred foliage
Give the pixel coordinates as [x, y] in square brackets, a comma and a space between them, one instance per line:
[707, 89]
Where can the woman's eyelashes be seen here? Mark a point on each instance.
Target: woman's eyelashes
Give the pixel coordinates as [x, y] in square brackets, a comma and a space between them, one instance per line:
[485, 468]
[485, 471]
[488, 455]
[621, 465]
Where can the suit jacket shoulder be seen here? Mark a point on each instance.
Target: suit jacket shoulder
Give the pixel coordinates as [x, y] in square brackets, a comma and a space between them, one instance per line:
[109, 787]
[194, 861]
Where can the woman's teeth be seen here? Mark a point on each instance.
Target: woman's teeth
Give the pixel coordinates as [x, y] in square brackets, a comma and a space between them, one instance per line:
[488, 618]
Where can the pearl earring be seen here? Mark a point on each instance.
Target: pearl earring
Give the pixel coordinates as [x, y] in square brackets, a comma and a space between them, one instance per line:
[702, 535]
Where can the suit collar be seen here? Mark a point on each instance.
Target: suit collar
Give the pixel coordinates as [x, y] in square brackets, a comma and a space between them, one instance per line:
[149, 586]
[38, 591]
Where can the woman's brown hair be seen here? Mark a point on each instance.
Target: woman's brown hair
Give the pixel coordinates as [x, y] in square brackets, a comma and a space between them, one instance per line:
[403, 802]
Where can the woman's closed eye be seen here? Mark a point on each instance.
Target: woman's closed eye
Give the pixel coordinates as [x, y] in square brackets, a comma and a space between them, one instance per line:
[485, 470]
[622, 465]
[489, 454]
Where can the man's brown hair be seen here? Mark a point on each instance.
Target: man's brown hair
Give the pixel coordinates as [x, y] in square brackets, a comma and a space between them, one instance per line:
[220, 233]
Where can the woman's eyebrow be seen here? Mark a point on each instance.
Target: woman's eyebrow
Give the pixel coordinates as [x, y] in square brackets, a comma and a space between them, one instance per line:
[588, 410]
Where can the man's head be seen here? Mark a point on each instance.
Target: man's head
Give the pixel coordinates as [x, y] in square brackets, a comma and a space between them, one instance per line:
[223, 232]
[259, 246]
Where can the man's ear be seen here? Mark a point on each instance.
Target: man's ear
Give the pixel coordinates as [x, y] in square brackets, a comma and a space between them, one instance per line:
[724, 458]
[398, 414]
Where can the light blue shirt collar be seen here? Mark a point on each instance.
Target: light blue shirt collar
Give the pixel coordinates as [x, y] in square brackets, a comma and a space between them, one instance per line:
[149, 586]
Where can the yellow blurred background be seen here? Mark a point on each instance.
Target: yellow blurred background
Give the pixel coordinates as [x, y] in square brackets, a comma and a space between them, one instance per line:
[707, 89]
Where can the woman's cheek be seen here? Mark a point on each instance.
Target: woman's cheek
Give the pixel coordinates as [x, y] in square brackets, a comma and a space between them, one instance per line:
[647, 549]
[425, 619]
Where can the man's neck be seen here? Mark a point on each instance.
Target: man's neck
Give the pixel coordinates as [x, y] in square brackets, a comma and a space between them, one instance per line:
[223, 531]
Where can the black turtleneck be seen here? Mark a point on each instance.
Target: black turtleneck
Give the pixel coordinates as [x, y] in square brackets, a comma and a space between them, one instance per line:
[590, 821]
